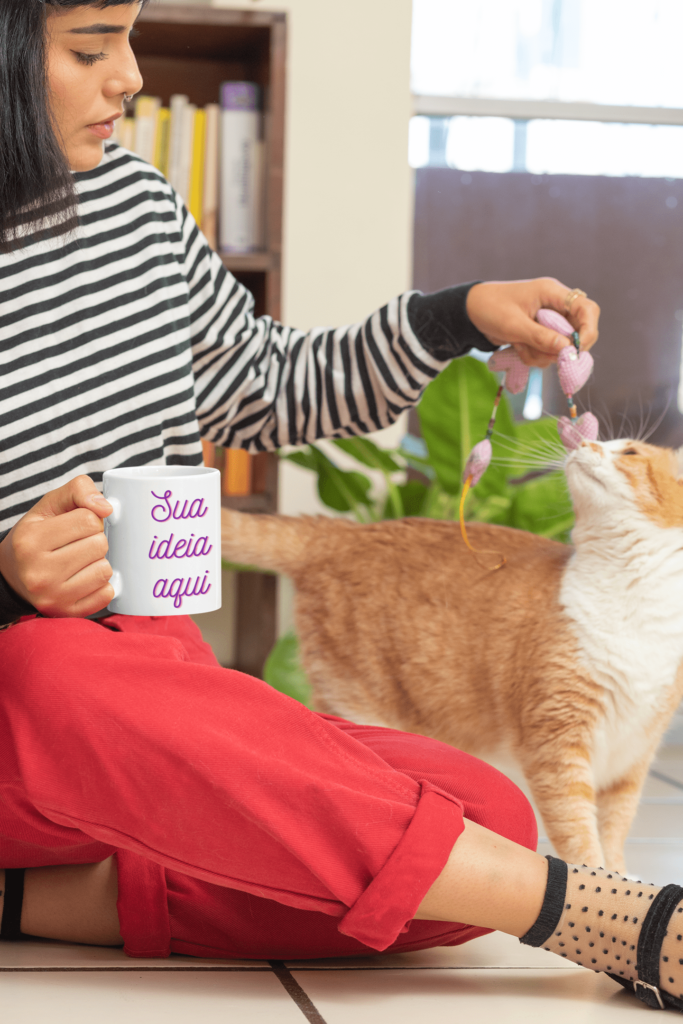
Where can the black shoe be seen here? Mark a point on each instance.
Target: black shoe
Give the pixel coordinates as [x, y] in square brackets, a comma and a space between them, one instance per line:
[646, 987]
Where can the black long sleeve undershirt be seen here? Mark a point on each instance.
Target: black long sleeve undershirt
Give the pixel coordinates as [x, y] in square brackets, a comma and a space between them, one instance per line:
[11, 605]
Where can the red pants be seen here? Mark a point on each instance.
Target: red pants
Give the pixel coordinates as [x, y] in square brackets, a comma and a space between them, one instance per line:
[244, 824]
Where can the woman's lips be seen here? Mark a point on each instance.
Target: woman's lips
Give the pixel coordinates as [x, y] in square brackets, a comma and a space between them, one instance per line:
[104, 130]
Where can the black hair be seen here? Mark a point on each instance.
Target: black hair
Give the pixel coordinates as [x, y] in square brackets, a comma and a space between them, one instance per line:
[36, 184]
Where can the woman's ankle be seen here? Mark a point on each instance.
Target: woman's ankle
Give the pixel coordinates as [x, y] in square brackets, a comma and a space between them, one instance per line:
[489, 881]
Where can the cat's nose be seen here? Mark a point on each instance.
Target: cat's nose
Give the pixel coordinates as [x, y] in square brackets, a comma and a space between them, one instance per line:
[593, 447]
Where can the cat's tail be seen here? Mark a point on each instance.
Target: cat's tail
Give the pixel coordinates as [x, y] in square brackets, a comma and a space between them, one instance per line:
[278, 543]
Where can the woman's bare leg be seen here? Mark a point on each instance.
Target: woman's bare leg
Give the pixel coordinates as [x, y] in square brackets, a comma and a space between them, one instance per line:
[74, 903]
[488, 881]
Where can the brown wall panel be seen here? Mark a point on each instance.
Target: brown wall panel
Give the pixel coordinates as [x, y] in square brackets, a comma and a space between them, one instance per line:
[620, 239]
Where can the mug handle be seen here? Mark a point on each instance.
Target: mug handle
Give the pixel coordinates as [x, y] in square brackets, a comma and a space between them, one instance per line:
[116, 582]
[114, 517]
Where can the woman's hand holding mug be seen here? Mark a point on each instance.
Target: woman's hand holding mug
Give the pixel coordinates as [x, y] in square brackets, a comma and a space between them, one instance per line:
[162, 535]
[55, 556]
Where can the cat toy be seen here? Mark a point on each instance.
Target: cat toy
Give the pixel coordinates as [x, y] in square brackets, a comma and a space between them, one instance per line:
[574, 367]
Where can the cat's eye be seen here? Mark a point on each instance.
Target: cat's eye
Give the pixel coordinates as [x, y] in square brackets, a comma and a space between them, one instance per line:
[629, 451]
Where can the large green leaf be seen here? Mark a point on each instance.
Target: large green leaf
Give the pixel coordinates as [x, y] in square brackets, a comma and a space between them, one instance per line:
[412, 497]
[542, 505]
[454, 414]
[304, 458]
[369, 454]
[338, 489]
[283, 670]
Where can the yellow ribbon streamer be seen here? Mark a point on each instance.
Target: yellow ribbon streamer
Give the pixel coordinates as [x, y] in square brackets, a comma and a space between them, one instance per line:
[463, 530]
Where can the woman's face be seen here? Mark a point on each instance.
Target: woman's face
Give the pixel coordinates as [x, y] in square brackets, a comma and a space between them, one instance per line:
[90, 67]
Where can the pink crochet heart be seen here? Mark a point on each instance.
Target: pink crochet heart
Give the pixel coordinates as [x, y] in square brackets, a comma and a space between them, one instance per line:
[554, 322]
[573, 368]
[586, 428]
[506, 361]
[478, 461]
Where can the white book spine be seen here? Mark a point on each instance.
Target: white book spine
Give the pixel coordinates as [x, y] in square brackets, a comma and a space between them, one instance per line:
[259, 192]
[178, 105]
[240, 181]
[146, 128]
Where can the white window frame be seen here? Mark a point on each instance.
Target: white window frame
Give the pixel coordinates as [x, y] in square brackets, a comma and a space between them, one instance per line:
[530, 110]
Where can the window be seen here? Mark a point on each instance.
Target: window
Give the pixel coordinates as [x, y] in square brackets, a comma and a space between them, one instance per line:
[548, 86]
[624, 52]
[573, 87]
[547, 146]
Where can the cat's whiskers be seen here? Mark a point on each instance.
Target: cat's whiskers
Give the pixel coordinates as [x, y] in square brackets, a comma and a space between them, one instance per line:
[540, 447]
[540, 453]
[647, 433]
[541, 458]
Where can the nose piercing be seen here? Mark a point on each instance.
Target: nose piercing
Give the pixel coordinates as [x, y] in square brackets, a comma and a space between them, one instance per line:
[127, 98]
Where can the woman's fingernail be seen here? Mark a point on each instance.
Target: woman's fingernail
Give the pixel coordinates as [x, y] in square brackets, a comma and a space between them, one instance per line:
[98, 499]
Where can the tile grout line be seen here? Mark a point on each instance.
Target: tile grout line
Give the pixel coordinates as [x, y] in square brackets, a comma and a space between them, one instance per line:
[666, 778]
[90, 969]
[431, 967]
[295, 991]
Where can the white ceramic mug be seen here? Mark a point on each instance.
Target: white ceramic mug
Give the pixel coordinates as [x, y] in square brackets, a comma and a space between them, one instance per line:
[164, 539]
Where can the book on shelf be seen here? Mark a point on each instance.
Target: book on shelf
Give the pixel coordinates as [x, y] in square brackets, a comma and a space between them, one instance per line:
[146, 116]
[237, 474]
[160, 160]
[241, 168]
[196, 186]
[175, 139]
[214, 157]
[211, 175]
[242, 474]
[124, 132]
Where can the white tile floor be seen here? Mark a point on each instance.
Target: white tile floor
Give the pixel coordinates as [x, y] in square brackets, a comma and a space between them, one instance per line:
[487, 980]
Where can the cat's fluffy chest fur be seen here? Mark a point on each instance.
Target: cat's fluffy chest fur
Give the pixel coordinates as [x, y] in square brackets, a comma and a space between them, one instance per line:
[622, 589]
[572, 660]
[627, 582]
[610, 612]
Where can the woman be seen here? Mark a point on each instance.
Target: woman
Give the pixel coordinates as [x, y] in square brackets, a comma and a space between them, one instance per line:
[192, 809]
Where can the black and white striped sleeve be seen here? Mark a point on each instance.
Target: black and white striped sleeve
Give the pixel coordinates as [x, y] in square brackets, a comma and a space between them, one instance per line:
[260, 385]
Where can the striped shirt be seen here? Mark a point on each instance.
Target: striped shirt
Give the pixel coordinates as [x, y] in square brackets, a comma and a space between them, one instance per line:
[126, 342]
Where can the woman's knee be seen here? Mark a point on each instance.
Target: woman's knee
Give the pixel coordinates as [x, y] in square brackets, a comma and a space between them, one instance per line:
[488, 796]
[499, 805]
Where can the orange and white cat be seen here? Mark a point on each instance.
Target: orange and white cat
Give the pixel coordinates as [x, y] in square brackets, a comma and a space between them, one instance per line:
[570, 657]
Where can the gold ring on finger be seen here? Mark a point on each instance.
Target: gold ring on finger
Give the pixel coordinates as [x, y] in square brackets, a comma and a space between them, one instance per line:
[571, 297]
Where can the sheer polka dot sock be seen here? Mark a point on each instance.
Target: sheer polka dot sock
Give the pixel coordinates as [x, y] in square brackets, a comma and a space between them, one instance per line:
[603, 921]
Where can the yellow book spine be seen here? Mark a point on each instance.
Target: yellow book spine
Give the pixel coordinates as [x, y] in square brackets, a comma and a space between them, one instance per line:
[209, 453]
[163, 137]
[197, 174]
[237, 473]
[127, 136]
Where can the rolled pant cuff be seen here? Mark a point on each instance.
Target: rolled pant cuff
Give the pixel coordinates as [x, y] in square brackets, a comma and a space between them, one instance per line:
[143, 906]
[391, 900]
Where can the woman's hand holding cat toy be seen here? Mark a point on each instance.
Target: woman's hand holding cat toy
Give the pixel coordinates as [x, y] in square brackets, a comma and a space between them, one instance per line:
[505, 311]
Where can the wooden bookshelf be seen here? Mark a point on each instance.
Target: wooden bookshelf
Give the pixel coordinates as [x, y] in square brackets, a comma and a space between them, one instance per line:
[192, 49]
